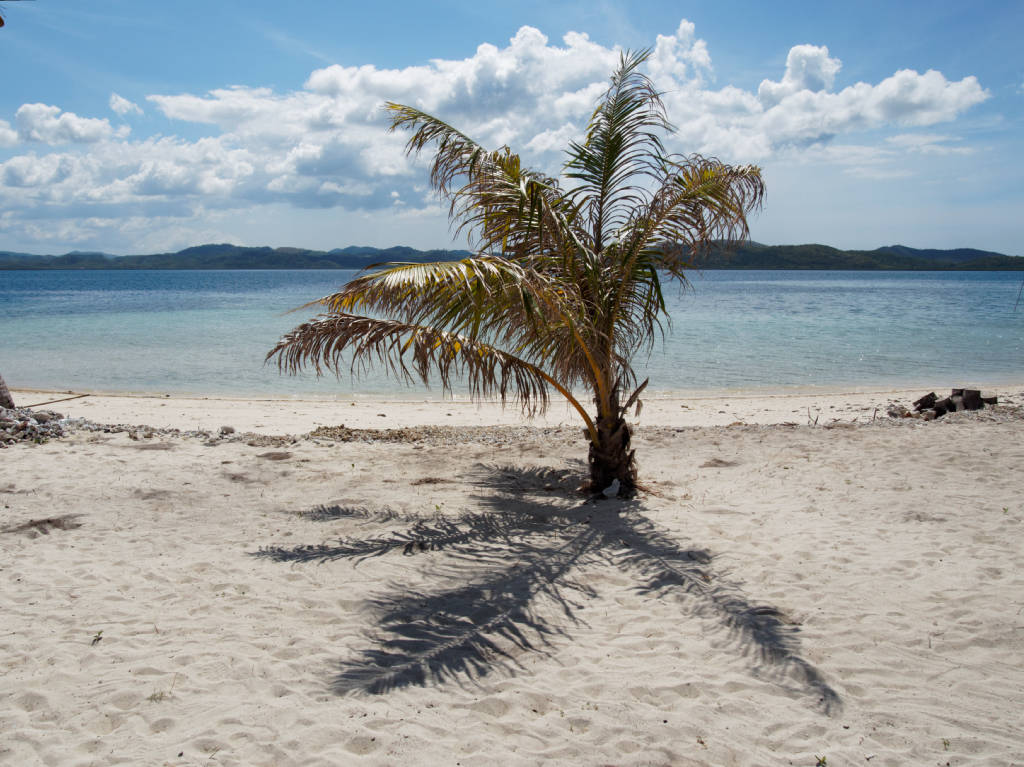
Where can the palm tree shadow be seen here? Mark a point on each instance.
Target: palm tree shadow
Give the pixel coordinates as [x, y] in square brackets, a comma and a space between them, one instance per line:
[513, 590]
[464, 632]
[762, 633]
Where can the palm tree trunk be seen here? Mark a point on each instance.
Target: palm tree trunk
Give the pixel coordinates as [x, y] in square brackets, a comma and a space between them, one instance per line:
[6, 400]
[611, 458]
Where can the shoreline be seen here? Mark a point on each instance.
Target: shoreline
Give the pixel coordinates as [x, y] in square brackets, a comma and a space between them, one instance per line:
[277, 415]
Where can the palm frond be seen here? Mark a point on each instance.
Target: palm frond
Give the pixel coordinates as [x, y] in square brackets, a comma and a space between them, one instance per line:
[621, 148]
[700, 201]
[706, 200]
[456, 295]
[508, 208]
[518, 212]
[407, 350]
[488, 298]
[456, 154]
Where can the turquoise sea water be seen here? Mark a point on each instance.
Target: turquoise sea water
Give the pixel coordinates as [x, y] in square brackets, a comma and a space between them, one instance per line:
[208, 331]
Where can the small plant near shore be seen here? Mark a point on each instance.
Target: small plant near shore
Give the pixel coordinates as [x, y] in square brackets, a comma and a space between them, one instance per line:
[162, 695]
[945, 744]
[822, 761]
[97, 637]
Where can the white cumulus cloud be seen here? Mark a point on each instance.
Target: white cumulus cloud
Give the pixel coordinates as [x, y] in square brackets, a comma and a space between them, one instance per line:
[325, 144]
[49, 125]
[808, 68]
[8, 136]
[802, 108]
[122, 106]
[681, 56]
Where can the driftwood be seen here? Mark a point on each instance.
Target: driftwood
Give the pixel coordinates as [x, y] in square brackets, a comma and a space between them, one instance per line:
[6, 400]
[971, 399]
[931, 407]
[927, 401]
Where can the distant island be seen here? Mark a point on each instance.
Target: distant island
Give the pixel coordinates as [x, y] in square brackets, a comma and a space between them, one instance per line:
[750, 255]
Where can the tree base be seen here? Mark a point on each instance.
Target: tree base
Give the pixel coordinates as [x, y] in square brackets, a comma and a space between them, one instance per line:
[613, 460]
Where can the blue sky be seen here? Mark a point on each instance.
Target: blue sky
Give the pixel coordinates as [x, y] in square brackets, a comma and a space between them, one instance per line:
[136, 127]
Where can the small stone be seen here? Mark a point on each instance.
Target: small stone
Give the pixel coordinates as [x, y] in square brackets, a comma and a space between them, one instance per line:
[227, 429]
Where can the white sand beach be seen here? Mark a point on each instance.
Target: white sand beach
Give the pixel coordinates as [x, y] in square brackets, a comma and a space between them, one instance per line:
[804, 581]
[299, 415]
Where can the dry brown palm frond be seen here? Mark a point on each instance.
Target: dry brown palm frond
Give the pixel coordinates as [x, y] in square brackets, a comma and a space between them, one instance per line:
[410, 351]
[486, 298]
[456, 155]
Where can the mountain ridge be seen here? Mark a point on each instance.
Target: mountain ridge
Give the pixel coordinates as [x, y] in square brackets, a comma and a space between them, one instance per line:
[750, 255]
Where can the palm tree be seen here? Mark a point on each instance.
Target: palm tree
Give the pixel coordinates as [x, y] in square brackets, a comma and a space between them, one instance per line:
[568, 283]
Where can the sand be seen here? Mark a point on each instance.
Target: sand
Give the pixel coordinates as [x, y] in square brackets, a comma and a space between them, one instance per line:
[850, 590]
[298, 415]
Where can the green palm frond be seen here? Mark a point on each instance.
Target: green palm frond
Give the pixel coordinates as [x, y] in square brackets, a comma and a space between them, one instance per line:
[700, 202]
[516, 211]
[621, 149]
[508, 208]
[706, 200]
[456, 154]
[450, 294]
